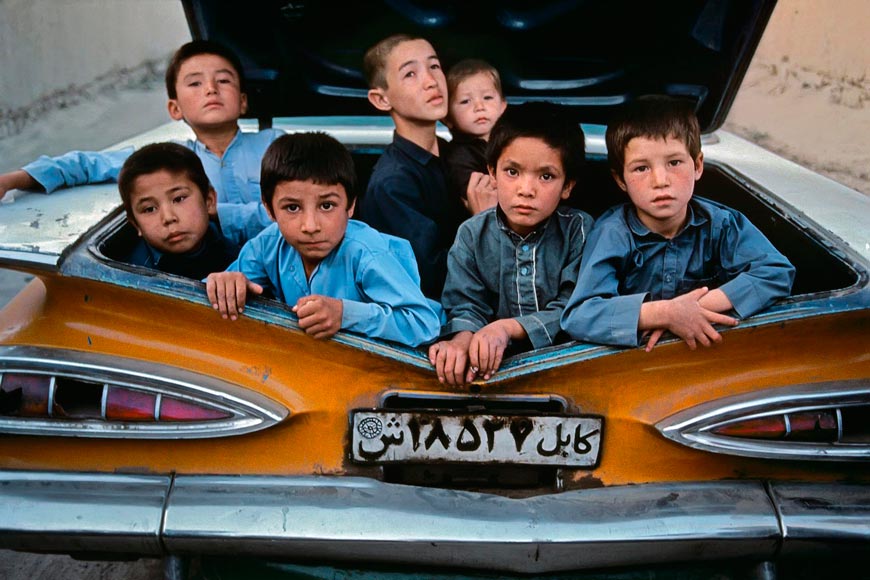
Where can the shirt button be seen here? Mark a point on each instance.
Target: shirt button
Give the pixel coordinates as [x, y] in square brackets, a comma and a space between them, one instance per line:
[525, 247]
[524, 271]
[668, 278]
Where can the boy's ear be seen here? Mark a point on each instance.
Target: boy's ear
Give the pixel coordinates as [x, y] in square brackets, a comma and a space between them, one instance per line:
[699, 165]
[243, 102]
[174, 110]
[491, 170]
[133, 223]
[619, 181]
[211, 202]
[351, 208]
[379, 99]
[567, 189]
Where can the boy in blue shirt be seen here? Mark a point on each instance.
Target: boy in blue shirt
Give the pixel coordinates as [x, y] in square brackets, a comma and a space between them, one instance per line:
[667, 261]
[168, 199]
[407, 194]
[339, 274]
[513, 266]
[206, 90]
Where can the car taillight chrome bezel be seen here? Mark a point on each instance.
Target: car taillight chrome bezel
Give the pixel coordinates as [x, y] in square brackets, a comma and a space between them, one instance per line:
[234, 410]
[697, 426]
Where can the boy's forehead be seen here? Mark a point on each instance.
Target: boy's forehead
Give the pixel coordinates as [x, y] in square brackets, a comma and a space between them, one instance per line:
[409, 51]
[643, 144]
[161, 181]
[200, 63]
[308, 187]
[480, 77]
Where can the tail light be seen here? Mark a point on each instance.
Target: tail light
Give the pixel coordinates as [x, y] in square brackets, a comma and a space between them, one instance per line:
[53, 392]
[823, 421]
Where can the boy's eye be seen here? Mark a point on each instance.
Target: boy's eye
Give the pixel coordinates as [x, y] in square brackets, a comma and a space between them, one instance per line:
[511, 171]
[147, 209]
[547, 176]
[292, 207]
[639, 168]
[435, 66]
[179, 198]
[327, 205]
[675, 162]
[464, 101]
[409, 74]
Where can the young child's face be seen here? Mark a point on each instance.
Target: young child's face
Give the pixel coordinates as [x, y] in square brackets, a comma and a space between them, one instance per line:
[476, 105]
[170, 212]
[208, 93]
[531, 183]
[312, 218]
[659, 176]
[416, 87]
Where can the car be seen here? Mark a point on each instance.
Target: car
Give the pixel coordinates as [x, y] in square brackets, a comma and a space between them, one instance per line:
[134, 422]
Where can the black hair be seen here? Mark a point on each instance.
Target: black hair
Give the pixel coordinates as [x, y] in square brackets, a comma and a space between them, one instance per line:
[654, 117]
[549, 122]
[194, 48]
[312, 156]
[172, 157]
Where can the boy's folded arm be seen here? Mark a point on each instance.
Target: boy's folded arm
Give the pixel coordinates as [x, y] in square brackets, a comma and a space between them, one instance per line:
[18, 179]
[396, 309]
[758, 273]
[77, 168]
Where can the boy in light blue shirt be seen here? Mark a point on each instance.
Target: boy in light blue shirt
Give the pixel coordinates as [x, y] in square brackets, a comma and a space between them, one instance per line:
[206, 90]
[667, 261]
[338, 274]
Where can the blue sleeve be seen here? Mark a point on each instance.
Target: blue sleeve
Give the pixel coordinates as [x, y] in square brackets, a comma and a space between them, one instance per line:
[466, 300]
[596, 312]
[77, 168]
[392, 206]
[254, 265]
[758, 274]
[543, 327]
[241, 222]
[396, 309]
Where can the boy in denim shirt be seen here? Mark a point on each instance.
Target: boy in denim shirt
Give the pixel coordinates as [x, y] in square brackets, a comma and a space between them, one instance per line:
[337, 273]
[667, 261]
[513, 266]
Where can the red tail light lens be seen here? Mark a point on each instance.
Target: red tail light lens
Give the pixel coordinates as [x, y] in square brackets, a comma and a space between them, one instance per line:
[129, 405]
[816, 426]
[176, 410]
[23, 395]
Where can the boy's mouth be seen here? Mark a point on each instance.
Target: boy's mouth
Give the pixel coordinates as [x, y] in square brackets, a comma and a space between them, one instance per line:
[175, 237]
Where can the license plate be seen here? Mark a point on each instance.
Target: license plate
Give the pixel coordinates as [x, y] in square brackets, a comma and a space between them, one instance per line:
[398, 437]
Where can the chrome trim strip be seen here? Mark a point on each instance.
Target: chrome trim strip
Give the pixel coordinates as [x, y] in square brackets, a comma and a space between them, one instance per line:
[52, 389]
[344, 519]
[819, 518]
[694, 427]
[355, 519]
[249, 410]
[82, 512]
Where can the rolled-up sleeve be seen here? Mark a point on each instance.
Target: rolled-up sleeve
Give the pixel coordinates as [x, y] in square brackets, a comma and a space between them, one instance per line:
[77, 168]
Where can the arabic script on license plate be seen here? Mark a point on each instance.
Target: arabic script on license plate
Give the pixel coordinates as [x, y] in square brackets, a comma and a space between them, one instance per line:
[395, 437]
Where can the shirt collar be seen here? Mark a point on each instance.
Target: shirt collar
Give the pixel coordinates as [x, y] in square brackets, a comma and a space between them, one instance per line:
[695, 217]
[532, 236]
[199, 147]
[413, 150]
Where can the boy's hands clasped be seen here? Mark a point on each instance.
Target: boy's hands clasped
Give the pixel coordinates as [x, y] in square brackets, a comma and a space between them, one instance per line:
[468, 356]
[686, 316]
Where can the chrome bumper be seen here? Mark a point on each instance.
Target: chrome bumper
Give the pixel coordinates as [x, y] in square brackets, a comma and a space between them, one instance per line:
[360, 520]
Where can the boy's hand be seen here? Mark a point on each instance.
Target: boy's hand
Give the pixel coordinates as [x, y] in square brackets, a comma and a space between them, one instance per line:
[18, 179]
[487, 347]
[686, 318]
[227, 292]
[319, 316]
[481, 193]
[450, 359]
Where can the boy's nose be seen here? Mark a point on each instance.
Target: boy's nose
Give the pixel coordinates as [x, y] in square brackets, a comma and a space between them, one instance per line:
[310, 223]
[168, 215]
[660, 176]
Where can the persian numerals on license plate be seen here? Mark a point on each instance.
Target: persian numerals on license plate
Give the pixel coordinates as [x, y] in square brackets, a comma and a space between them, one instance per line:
[395, 437]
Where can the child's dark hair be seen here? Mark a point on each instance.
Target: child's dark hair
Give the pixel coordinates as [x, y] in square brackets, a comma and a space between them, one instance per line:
[546, 121]
[653, 117]
[171, 157]
[468, 68]
[375, 59]
[194, 48]
[313, 156]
